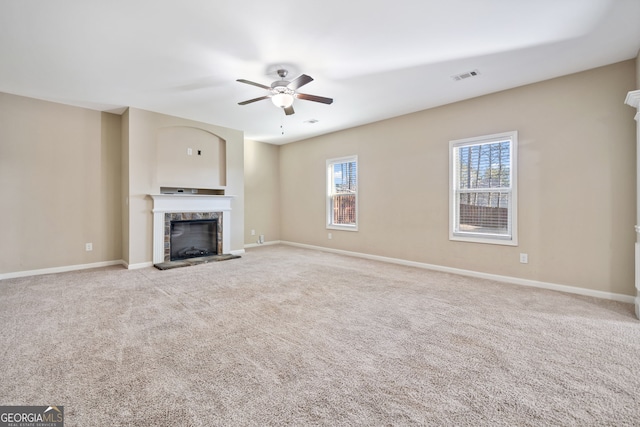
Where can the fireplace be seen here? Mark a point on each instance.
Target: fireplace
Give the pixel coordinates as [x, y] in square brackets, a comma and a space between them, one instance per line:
[193, 239]
[200, 211]
[192, 235]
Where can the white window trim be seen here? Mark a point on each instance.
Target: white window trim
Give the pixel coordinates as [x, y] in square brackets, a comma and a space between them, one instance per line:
[485, 237]
[329, 204]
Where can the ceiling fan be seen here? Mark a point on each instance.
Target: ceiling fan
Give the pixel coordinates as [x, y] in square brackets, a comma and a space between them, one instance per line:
[283, 92]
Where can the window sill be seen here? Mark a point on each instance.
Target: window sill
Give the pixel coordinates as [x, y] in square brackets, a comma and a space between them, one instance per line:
[498, 240]
[343, 227]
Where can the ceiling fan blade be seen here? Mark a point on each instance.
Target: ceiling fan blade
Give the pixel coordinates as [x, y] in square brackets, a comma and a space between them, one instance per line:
[249, 82]
[253, 100]
[314, 98]
[289, 111]
[299, 82]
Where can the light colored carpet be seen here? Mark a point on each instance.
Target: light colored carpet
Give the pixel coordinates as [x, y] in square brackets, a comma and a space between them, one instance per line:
[289, 336]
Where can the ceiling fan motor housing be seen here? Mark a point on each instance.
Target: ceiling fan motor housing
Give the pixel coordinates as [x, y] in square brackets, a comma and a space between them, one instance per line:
[280, 87]
[280, 84]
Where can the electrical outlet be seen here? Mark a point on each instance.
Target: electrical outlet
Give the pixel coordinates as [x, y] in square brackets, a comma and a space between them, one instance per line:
[189, 151]
[253, 232]
[524, 258]
[329, 236]
[88, 247]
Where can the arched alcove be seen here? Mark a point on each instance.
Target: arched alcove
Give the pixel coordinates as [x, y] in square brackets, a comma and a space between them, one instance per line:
[191, 158]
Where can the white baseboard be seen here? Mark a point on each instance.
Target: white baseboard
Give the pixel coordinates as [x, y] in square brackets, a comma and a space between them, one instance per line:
[238, 252]
[63, 269]
[256, 245]
[138, 265]
[495, 277]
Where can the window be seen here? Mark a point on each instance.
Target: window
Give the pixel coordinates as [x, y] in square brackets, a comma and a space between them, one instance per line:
[342, 193]
[483, 199]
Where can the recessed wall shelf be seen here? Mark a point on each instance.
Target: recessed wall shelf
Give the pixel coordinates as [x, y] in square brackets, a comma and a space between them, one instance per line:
[202, 191]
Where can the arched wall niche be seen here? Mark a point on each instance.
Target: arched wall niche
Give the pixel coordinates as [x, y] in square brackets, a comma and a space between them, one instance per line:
[190, 157]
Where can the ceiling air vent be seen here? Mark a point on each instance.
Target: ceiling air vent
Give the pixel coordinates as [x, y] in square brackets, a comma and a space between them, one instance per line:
[466, 75]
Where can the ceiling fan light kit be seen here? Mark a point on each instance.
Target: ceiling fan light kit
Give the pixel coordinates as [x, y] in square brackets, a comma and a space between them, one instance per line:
[283, 92]
[282, 99]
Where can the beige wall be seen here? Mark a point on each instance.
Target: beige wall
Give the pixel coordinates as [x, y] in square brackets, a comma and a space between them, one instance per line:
[576, 182]
[262, 191]
[204, 168]
[60, 178]
[143, 129]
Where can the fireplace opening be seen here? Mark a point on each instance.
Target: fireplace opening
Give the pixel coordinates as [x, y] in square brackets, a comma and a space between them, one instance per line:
[193, 238]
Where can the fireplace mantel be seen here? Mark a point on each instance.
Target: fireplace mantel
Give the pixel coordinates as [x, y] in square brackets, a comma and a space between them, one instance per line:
[176, 203]
[190, 203]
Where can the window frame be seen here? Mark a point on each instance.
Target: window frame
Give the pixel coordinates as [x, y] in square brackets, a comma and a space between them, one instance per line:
[329, 193]
[482, 237]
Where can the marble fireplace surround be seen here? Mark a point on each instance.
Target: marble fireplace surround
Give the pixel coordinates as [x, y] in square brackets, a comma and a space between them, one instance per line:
[188, 204]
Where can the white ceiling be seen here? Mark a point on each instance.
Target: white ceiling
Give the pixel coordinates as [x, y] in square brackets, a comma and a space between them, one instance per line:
[377, 59]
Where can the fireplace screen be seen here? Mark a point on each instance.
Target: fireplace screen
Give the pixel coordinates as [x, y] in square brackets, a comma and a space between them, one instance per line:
[193, 238]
